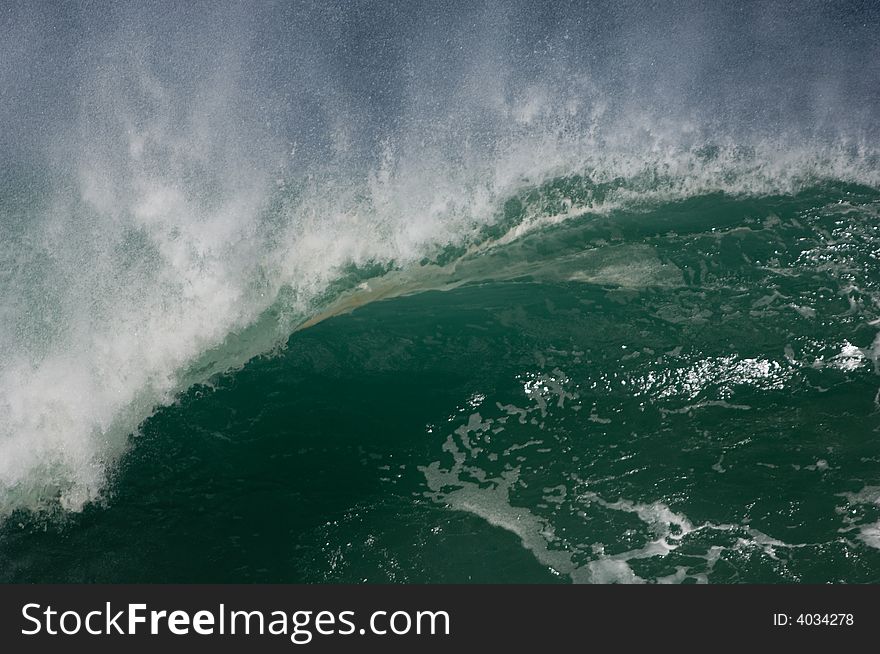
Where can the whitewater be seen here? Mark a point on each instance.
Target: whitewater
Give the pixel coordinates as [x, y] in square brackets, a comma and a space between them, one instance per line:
[182, 188]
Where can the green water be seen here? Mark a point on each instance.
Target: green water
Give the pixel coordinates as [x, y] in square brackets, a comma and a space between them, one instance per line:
[687, 393]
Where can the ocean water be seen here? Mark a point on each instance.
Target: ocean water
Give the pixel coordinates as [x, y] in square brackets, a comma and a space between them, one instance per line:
[381, 293]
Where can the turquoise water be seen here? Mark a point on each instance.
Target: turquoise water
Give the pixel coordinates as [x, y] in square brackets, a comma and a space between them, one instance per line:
[538, 291]
[686, 392]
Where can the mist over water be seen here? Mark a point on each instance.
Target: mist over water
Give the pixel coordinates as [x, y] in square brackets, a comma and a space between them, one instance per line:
[182, 185]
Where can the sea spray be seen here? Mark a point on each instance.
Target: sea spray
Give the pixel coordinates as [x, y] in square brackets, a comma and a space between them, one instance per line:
[184, 186]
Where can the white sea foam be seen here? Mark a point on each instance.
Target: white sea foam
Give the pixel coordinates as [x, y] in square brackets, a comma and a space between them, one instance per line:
[196, 203]
[477, 476]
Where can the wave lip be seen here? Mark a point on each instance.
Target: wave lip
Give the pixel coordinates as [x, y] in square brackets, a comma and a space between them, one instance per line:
[187, 206]
[176, 302]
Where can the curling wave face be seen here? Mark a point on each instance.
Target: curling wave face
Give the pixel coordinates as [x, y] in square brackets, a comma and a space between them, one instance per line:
[192, 198]
[683, 393]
